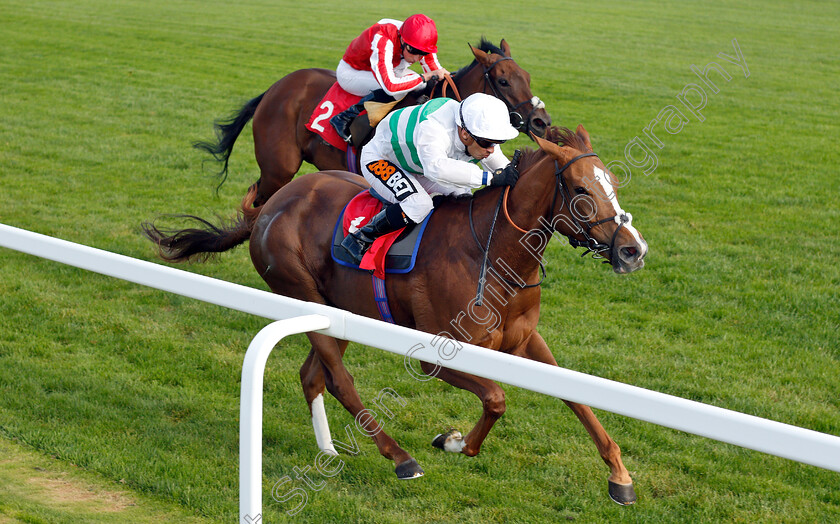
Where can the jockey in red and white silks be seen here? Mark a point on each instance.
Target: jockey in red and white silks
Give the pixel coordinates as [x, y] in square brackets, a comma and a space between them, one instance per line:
[430, 149]
[379, 58]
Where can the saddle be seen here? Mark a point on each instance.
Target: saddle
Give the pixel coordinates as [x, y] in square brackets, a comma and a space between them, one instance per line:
[361, 129]
[391, 253]
[334, 102]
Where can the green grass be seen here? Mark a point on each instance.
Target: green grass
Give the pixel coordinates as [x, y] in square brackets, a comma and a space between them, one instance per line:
[737, 307]
[41, 490]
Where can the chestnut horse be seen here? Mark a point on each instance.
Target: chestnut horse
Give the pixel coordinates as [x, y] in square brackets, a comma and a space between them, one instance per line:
[282, 142]
[564, 188]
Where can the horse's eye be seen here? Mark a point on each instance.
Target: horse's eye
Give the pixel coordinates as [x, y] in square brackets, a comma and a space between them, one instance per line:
[580, 191]
[503, 82]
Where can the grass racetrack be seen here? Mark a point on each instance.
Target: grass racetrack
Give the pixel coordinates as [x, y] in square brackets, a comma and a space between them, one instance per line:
[138, 389]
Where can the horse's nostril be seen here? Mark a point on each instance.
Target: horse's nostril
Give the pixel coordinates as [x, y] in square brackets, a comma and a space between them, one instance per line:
[539, 127]
[629, 253]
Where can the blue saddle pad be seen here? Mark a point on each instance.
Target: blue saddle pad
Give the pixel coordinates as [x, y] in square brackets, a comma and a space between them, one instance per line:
[400, 258]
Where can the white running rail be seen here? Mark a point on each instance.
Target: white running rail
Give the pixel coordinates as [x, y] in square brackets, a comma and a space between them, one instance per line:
[775, 438]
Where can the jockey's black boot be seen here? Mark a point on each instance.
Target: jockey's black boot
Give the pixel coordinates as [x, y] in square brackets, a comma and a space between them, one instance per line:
[386, 221]
[341, 122]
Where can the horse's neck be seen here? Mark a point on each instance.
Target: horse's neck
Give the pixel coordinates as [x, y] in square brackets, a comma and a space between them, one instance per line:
[469, 80]
[528, 207]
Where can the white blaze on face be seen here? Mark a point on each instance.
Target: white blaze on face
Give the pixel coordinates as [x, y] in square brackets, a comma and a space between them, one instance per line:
[608, 191]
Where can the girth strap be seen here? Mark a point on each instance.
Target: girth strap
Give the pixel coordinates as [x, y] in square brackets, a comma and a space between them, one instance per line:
[381, 298]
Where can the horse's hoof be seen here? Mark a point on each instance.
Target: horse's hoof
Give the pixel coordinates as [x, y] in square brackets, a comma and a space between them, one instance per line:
[623, 494]
[409, 469]
[452, 441]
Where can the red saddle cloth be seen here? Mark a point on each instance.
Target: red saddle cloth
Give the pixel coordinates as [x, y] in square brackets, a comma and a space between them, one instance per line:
[334, 102]
[360, 210]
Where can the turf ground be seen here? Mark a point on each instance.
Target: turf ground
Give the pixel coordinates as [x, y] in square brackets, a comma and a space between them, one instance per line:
[138, 390]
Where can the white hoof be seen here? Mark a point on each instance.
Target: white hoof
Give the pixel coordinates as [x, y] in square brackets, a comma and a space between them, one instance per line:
[451, 441]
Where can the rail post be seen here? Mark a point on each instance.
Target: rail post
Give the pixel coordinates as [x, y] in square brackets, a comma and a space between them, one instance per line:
[251, 408]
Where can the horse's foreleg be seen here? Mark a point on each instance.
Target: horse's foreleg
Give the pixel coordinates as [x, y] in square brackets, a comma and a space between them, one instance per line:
[339, 383]
[620, 483]
[493, 407]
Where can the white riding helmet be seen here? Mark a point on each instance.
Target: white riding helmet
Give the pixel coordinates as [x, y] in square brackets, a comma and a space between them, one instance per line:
[485, 116]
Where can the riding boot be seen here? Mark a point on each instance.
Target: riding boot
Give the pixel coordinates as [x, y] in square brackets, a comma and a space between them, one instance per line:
[386, 221]
[341, 122]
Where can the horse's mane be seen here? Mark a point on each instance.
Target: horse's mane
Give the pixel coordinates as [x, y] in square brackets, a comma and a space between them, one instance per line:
[559, 135]
[486, 46]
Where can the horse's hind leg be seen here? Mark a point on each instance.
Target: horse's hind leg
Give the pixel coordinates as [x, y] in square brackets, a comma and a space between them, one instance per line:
[339, 383]
[277, 153]
[313, 381]
[493, 407]
[620, 484]
[277, 168]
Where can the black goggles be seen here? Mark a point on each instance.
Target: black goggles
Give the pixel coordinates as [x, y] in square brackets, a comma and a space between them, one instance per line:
[483, 142]
[415, 51]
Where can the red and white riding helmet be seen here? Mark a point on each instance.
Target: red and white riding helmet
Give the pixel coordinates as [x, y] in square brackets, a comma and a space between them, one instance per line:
[419, 31]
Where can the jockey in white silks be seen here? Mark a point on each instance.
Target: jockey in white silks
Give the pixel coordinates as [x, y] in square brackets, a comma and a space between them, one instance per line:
[441, 147]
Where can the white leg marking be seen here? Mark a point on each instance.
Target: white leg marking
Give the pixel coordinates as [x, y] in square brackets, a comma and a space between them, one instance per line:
[454, 442]
[321, 426]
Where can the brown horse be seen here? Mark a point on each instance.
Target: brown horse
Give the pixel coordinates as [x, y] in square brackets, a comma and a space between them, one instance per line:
[282, 142]
[564, 188]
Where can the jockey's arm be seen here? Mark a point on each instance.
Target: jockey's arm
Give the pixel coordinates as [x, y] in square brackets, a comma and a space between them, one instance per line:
[496, 160]
[433, 147]
[430, 63]
[381, 62]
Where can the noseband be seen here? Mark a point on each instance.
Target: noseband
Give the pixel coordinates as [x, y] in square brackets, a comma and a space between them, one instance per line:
[516, 119]
[588, 242]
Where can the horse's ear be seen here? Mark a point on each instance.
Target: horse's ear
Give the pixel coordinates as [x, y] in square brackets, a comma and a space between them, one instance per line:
[581, 132]
[482, 57]
[505, 48]
[549, 147]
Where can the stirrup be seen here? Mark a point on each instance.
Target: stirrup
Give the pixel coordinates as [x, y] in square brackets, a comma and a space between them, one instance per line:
[355, 247]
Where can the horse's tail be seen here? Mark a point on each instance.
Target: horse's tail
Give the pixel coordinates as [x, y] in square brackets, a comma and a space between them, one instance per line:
[201, 243]
[227, 131]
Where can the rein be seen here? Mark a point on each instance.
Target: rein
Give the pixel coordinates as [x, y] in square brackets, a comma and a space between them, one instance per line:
[482, 277]
[448, 82]
[482, 274]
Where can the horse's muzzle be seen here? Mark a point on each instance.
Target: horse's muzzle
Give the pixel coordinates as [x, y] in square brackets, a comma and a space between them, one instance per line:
[630, 257]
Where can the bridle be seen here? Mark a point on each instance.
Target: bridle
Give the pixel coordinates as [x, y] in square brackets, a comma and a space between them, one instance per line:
[588, 242]
[584, 227]
[519, 122]
[591, 245]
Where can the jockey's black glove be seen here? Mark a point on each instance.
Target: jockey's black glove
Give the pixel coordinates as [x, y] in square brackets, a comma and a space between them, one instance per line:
[508, 175]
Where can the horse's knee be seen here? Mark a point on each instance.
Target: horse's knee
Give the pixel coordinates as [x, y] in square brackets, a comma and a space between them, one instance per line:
[494, 404]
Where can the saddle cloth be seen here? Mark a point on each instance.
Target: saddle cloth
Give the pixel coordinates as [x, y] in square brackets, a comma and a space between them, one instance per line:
[334, 102]
[391, 253]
